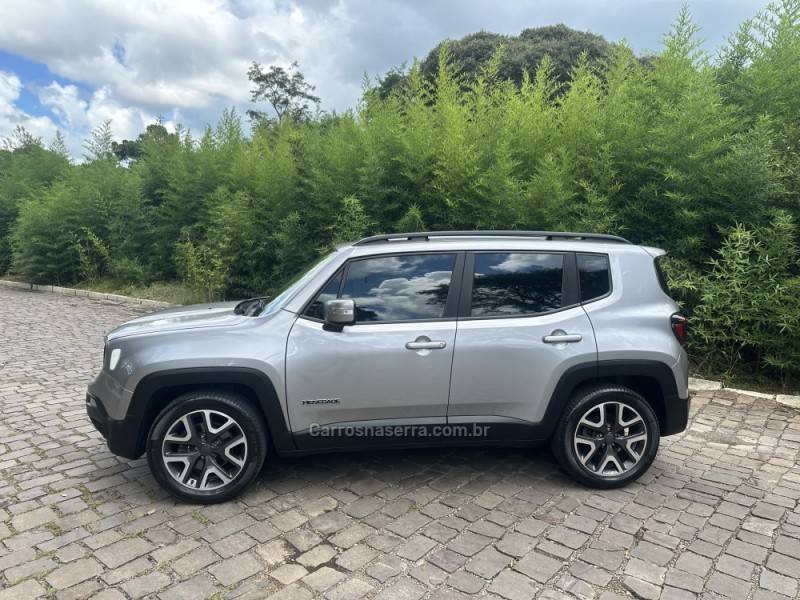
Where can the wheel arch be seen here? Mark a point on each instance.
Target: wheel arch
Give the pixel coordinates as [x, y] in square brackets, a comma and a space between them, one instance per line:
[652, 379]
[156, 390]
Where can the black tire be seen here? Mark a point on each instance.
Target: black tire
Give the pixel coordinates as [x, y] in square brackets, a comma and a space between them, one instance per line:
[564, 440]
[249, 455]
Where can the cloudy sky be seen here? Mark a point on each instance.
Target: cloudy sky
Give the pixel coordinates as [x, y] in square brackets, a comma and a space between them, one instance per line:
[71, 64]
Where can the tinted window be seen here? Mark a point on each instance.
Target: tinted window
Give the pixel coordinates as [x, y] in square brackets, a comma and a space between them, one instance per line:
[509, 284]
[594, 276]
[399, 288]
[316, 308]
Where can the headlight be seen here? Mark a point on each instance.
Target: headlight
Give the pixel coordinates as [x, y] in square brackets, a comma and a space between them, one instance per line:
[112, 362]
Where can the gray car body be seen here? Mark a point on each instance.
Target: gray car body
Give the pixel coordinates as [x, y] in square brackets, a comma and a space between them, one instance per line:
[490, 369]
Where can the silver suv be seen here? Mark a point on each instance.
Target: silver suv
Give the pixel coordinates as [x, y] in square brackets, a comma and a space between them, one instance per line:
[409, 340]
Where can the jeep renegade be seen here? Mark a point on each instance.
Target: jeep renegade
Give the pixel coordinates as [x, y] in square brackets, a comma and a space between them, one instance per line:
[409, 340]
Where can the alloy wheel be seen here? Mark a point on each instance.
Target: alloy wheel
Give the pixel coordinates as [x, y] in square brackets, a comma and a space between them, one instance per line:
[204, 450]
[610, 439]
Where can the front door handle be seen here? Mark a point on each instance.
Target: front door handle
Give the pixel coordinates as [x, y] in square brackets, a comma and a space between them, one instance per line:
[423, 342]
[561, 337]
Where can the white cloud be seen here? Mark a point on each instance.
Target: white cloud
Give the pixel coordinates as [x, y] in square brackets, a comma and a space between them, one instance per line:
[526, 263]
[66, 104]
[11, 116]
[189, 58]
[180, 58]
[79, 117]
[161, 55]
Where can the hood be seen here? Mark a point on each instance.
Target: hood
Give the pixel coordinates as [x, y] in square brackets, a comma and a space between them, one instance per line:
[218, 314]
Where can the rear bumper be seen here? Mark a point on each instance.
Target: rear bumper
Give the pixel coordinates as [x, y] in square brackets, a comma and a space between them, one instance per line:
[676, 415]
[121, 441]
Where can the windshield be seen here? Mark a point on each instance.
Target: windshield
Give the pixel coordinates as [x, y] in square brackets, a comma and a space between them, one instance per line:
[299, 283]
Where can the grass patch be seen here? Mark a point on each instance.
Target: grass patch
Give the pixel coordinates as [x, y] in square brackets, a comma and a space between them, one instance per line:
[744, 379]
[54, 529]
[173, 292]
[164, 291]
[201, 517]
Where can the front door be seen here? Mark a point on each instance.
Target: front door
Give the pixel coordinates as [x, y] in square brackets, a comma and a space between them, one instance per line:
[391, 368]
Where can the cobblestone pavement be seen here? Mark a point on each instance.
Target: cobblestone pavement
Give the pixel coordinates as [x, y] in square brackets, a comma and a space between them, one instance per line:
[716, 516]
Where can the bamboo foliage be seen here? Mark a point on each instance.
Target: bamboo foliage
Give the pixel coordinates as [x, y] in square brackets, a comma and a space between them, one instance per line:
[692, 153]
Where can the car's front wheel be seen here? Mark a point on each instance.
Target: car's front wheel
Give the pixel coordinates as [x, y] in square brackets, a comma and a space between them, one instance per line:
[607, 437]
[206, 446]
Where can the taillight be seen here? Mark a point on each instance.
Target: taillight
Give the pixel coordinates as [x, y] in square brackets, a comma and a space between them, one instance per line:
[679, 327]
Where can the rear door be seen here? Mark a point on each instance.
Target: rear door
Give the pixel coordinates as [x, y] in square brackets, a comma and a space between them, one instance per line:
[521, 326]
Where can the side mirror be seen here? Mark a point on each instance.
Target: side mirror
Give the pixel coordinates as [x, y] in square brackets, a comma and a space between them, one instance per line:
[339, 313]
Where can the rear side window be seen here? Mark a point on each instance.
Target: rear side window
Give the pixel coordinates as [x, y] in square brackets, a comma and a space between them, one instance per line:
[594, 275]
[509, 284]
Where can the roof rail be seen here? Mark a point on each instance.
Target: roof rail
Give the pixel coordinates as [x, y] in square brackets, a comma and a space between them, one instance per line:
[547, 235]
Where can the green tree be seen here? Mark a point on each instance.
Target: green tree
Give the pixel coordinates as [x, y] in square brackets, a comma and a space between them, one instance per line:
[522, 56]
[100, 143]
[285, 90]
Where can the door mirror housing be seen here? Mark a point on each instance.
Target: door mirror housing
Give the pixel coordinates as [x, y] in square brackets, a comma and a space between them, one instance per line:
[339, 313]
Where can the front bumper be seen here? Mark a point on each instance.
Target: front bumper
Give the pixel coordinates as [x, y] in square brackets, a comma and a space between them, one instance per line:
[119, 436]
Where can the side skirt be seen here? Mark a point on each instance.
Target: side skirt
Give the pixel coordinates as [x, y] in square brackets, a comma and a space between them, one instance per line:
[477, 430]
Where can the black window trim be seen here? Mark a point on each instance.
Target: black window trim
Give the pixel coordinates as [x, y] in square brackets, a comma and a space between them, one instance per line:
[307, 305]
[570, 292]
[451, 304]
[610, 277]
[661, 275]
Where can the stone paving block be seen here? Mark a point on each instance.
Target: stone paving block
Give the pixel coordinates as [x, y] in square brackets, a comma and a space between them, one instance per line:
[33, 518]
[469, 543]
[275, 552]
[323, 578]
[27, 590]
[385, 567]
[287, 574]
[127, 571]
[234, 544]
[352, 589]
[402, 589]
[123, 551]
[316, 556]
[645, 571]
[513, 586]
[538, 566]
[195, 561]
[74, 573]
[710, 519]
[30, 569]
[416, 547]
[776, 582]
[146, 584]
[356, 557]
[641, 589]
[728, 586]
[200, 586]
[234, 569]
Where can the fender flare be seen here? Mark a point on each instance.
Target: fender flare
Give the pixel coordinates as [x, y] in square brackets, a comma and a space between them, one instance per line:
[675, 409]
[144, 407]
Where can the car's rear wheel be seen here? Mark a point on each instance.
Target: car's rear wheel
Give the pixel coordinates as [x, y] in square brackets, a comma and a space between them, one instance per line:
[206, 446]
[607, 437]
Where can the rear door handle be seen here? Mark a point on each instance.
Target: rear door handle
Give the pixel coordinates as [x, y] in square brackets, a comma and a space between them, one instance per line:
[426, 345]
[562, 338]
